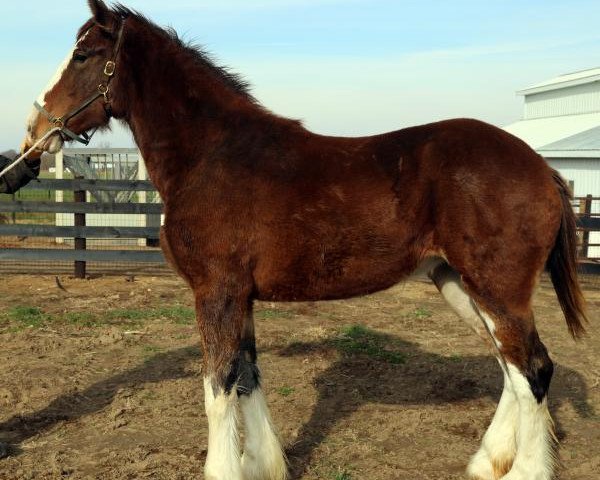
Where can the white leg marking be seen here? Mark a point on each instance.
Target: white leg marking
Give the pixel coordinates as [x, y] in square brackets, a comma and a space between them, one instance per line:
[223, 457]
[535, 454]
[450, 286]
[498, 447]
[263, 458]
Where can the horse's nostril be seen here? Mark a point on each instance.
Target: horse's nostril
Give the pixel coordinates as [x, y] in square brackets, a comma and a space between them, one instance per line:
[29, 128]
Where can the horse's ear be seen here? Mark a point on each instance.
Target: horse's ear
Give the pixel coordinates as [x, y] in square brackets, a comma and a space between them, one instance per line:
[100, 11]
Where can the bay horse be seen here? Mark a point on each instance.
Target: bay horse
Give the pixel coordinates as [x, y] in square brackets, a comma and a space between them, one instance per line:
[259, 208]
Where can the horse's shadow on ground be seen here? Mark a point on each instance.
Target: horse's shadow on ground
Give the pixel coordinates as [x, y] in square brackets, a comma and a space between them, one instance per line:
[401, 374]
[416, 378]
[163, 366]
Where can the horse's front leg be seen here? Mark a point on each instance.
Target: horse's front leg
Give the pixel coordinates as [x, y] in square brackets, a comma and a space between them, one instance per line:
[224, 313]
[221, 310]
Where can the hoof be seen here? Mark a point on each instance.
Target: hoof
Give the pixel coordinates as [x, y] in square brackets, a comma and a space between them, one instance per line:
[275, 470]
[482, 467]
[501, 467]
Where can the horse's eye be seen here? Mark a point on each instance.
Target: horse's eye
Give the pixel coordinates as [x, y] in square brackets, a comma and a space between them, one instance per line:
[79, 57]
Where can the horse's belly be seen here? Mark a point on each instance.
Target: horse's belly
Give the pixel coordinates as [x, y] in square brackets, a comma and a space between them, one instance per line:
[315, 279]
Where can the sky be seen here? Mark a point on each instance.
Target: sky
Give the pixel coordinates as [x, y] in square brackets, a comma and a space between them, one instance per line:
[352, 67]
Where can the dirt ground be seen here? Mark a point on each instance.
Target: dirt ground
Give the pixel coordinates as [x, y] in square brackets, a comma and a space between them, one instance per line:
[101, 379]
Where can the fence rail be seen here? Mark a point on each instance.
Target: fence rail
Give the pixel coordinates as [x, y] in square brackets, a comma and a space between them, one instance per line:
[19, 206]
[91, 185]
[62, 255]
[24, 230]
[79, 232]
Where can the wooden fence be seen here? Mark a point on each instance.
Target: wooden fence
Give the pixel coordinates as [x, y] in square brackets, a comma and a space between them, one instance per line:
[588, 223]
[80, 232]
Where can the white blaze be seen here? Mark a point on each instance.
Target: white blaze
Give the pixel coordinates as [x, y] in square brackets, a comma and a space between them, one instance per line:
[61, 70]
[56, 78]
[55, 142]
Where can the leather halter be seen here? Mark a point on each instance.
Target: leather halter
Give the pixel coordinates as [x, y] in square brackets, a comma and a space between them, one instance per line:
[103, 91]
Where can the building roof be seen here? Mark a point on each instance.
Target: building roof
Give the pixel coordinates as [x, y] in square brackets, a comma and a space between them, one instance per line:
[540, 132]
[563, 81]
[580, 145]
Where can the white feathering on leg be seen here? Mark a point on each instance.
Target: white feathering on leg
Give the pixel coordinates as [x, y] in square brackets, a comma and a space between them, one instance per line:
[498, 447]
[263, 458]
[223, 457]
[535, 459]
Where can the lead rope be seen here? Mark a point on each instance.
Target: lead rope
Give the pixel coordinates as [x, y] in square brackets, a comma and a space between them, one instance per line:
[48, 134]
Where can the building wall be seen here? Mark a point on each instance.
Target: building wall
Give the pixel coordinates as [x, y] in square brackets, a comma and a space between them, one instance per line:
[565, 101]
[585, 175]
[584, 172]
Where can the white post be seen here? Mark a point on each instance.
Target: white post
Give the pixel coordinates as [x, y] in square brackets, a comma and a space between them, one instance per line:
[142, 174]
[59, 166]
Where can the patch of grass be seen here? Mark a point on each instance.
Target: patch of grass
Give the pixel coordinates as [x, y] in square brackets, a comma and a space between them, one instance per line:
[360, 340]
[179, 314]
[343, 475]
[267, 313]
[84, 319]
[28, 316]
[421, 313]
[31, 316]
[285, 391]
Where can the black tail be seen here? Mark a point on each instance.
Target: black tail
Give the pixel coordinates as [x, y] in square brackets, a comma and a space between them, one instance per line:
[562, 264]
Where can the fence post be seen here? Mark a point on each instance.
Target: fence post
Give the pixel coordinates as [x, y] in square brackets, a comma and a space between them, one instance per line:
[79, 196]
[148, 220]
[585, 239]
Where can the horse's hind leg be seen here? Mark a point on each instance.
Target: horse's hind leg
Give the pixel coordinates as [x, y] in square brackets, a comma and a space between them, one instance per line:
[519, 442]
[498, 447]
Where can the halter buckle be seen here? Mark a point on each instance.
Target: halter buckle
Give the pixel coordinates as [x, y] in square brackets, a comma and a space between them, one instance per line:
[58, 123]
[103, 89]
[109, 68]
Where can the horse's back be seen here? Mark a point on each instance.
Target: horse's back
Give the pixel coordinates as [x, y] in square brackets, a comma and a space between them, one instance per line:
[459, 189]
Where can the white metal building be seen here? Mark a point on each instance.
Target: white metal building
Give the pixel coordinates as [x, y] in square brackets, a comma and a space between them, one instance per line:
[561, 121]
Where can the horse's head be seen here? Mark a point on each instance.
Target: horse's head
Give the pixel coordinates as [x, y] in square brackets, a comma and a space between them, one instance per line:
[77, 98]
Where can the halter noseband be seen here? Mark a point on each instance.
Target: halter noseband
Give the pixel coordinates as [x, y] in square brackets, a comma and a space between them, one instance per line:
[103, 91]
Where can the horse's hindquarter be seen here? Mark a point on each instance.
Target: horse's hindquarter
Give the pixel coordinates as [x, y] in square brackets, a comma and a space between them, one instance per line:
[497, 207]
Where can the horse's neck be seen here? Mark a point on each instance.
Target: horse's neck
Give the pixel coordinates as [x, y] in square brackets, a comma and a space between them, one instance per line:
[175, 131]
